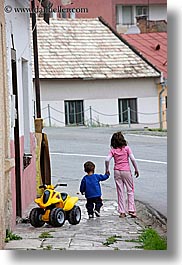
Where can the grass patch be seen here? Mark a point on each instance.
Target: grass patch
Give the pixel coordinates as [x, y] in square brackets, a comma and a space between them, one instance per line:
[156, 130]
[10, 236]
[151, 240]
[45, 235]
[49, 247]
[111, 240]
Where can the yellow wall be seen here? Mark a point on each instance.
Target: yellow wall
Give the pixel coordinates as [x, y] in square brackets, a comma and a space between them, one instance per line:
[164, 104]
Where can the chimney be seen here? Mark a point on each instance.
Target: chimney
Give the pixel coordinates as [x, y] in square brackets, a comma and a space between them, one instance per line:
[54, 15]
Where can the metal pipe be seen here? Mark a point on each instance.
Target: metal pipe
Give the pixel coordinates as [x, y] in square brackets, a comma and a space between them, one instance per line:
[90, 108]
[163, 84]
[129, 118]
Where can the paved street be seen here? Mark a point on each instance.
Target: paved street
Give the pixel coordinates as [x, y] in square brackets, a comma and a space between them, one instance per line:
[71, 147]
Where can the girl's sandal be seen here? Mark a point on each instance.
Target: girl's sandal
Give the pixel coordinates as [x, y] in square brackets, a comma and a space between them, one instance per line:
[122, 215]
[132, 214]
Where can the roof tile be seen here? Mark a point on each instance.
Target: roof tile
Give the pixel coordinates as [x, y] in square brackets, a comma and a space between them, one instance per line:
[148, 48]
[86, 48]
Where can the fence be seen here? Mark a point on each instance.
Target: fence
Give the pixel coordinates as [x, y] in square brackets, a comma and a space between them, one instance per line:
[92, 117]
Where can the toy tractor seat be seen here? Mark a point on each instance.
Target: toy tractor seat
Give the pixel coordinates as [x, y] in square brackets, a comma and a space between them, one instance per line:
[64, 196]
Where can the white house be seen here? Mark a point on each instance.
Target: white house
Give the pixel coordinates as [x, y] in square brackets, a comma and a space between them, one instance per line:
[128, 11]
[91, 76]
[20, 90]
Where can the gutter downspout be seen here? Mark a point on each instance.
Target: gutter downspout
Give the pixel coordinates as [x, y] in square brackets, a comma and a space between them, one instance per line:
[163, 84]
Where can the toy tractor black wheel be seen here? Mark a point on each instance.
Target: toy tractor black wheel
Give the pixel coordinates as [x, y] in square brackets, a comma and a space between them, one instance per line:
[36, 217]
[57, 217]
[74, 216]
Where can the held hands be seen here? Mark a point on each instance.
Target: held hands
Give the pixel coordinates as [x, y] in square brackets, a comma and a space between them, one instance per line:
[107, 172]
[136, 173]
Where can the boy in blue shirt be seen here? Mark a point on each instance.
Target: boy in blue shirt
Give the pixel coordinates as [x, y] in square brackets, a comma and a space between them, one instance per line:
[90, 186]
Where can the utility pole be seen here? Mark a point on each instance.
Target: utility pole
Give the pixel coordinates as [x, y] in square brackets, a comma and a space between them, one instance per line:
[47, 6]
[43, 170]
[36, 62]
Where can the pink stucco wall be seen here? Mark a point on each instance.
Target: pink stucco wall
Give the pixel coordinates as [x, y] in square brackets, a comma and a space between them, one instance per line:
[28, 178]
[104, 8]
[95, 8]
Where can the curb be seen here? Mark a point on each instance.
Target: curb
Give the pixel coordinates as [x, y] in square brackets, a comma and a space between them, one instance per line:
[151, 217]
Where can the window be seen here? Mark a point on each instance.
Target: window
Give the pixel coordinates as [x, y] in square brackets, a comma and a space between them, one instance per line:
[119, 14]
[127, 15]
[74, 114]
[124, 15]
[72, 15]
[141, 10]
[125, 113]
[63, 14]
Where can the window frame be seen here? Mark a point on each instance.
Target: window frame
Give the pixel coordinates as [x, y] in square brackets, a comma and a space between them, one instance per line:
[124, 113]
[119, 15]
[77, 111]
[142, 13]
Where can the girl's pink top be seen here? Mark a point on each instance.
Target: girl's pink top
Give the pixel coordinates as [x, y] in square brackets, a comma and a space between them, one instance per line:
[121, 158]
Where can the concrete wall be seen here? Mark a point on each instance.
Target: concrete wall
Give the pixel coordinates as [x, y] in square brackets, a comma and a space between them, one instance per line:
[18, 26]
[102, 96]
[28, 179]
[6, 163]
[163, 105]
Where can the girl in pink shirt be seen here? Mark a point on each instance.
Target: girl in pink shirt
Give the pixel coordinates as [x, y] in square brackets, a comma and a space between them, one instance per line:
[122, 172]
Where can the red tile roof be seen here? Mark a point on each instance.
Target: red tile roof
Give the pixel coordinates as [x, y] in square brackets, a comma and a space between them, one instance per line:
[153, 46]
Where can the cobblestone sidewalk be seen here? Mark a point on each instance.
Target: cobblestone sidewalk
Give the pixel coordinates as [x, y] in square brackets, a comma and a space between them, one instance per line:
[108, 232]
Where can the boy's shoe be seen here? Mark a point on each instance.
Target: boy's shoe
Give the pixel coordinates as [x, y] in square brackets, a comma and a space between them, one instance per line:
[91, 216]
[97, 213]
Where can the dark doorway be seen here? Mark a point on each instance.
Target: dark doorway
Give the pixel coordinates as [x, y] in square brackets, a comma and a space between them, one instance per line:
[16, 135]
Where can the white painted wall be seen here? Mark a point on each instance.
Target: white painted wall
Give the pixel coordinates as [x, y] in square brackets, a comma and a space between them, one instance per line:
[97, 89]
[18, 24]
[102, 96]
[102, 111]
[148, 111]
[56, 112]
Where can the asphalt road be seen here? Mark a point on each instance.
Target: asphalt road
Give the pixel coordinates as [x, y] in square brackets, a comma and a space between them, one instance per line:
[71, 147]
